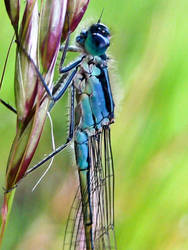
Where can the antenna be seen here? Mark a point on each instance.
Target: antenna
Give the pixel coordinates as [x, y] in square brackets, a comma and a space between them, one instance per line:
[100, 16]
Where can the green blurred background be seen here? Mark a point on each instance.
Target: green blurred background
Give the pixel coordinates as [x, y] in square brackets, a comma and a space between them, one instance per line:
[149, 46]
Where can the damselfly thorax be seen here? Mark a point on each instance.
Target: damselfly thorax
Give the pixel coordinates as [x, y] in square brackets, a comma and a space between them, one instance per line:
[91, 112]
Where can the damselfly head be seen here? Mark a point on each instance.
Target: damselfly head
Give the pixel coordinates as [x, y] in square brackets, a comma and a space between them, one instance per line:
[101, 29]
[95, 40]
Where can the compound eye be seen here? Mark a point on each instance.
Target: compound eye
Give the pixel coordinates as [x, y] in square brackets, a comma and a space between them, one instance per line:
[103, 30]
[100, 41]
[104, 33]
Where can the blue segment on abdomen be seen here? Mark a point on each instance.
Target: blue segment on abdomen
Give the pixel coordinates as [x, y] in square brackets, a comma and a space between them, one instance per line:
[82, 151]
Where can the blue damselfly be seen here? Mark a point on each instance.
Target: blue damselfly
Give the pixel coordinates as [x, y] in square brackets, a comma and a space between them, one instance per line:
[91, 219]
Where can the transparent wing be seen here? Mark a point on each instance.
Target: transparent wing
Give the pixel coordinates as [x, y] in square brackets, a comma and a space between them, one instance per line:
[74, 231]
[102, 199]
[103, 191]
